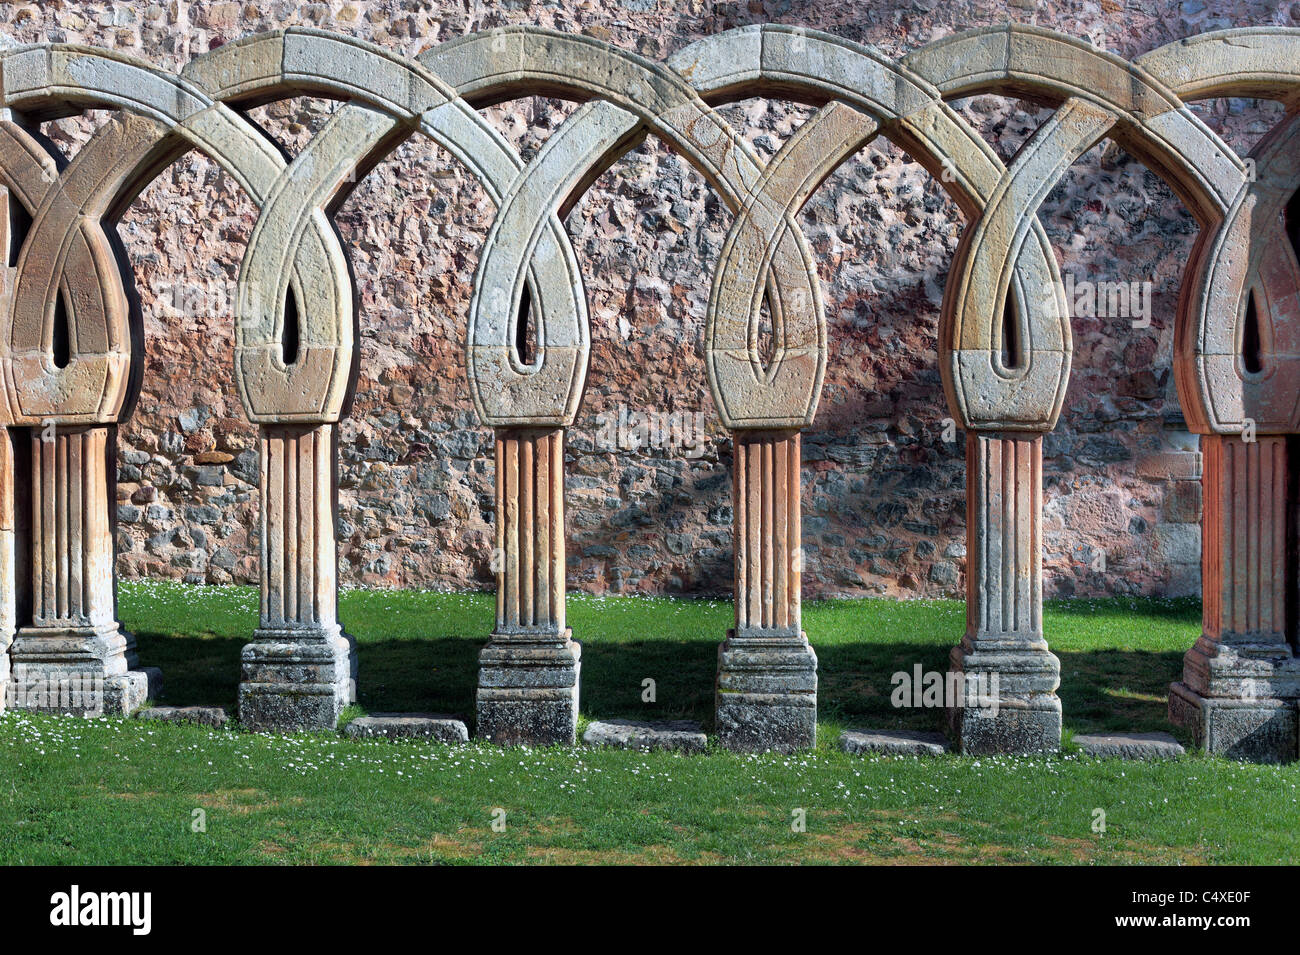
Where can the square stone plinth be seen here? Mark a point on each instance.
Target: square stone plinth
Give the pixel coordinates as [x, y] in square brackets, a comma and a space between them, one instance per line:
[528, 690]
[82, 671]
[297, 679]
[1008, 702]
[1016, 728]
[80, 692]
[766, 693]
[1257, 731]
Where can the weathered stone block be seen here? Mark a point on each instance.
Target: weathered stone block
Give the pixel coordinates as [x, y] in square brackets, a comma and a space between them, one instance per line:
[766, 694]
[1130, 745]
[1257, 731]
[81, 690]
[683, 735]
[214, 716]
[430, 726]
[296, 679]
[528, 690]
[897, 742]
[1018, 727]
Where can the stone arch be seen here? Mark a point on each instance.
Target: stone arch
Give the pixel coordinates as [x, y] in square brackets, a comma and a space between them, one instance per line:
[68, 254]
[66, 272]
[766, 481]
[1237, 694]
[528, 406]
[298, 669]
[530, 523]
[489, 67]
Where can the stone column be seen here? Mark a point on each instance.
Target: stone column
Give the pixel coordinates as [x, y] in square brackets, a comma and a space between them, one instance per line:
[71, 655]
[528, 672]
[767, 671]
[300, 670]
[1241, 679]
[1002, 677]
[9, 575]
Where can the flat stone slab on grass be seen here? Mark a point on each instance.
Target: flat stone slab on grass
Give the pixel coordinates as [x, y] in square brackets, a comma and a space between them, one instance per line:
[902, 742]
[1131, 745]
[683, 735]
[203, 715]
[441, 729]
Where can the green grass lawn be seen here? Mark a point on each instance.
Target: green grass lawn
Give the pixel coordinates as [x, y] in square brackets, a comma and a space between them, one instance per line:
[112, 790]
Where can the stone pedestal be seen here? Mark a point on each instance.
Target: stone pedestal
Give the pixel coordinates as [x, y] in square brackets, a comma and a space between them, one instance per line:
[1006, 691]
[528, 672]
[72, 656]
[767, 671]
[299, 672]
[1241, 680]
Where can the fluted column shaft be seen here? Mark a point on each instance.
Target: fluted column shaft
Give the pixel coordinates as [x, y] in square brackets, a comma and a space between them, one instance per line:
[9, 570]
[530, 530]
[1243, 545]
[767, 671]
[529, 671]
[70, 654]
[299, 554]
[300, 670]
[765, 496]
[1004, 539]
[1241, 680]
[1004, 696]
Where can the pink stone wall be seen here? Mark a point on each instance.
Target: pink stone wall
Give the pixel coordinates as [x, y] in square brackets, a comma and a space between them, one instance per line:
[884, 492]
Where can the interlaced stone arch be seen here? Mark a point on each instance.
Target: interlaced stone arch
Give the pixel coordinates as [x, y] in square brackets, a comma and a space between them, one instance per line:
[299, 668]
[73, 627]
[1239, 687]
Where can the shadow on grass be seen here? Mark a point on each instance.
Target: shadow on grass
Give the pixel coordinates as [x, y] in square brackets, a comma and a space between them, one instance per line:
[197, 670]
[417, 675]
[1119, 690]
[1100, 690]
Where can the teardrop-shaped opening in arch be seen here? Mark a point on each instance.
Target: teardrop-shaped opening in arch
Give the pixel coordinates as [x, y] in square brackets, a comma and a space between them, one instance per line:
[1252, 354]
[289, 341]
[20, 222]
[62, 340]
[1012, 353]
[525, 330]
[765, 343]
[1291, 221]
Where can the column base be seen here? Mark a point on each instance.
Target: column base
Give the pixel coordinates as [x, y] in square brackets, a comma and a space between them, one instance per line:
[1256, 731]
[297, 679]
[528, 690]
[1240, 699]
[766, 697]
[81, 671]
[1242, 670]
[1006, 700]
